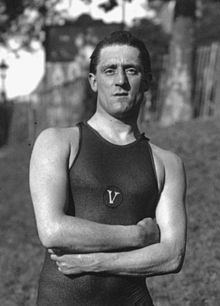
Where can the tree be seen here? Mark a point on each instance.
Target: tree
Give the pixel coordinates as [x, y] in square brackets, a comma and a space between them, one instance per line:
[177, 105]
[24, 21]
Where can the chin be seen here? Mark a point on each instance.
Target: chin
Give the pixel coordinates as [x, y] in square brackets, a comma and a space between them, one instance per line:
[126, 113]
[129, 111]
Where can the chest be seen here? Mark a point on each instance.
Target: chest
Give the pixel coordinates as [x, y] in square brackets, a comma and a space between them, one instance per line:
[114, 185]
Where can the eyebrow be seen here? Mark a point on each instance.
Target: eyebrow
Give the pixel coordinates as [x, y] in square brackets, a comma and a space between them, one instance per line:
[114, 66]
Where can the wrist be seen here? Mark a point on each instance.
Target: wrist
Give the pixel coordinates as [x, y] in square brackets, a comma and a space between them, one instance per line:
[96, 262]
[104, 262]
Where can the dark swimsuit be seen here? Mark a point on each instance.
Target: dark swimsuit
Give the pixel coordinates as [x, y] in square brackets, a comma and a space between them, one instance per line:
[111, 184]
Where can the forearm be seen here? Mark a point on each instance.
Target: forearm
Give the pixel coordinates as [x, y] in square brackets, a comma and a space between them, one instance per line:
[157, 259]
[76, 235]
[152, 260]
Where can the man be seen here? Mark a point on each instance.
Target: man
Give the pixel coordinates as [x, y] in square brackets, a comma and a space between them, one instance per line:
[102, 192]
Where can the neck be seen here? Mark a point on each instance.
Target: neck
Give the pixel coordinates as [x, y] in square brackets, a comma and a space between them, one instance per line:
[116, 130]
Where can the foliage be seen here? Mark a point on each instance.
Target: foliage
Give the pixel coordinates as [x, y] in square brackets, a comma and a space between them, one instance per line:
[24, 20]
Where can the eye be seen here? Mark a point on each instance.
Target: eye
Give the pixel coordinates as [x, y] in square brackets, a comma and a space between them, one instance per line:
[131, 71]
[109, 71]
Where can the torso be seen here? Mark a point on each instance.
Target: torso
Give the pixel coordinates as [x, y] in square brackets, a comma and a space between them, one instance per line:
[110, 184]
[71, 136]
[123, 175]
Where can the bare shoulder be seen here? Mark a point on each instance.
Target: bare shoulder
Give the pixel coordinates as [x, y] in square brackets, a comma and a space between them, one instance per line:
[167, 163]
[166, 157]
[54, 142]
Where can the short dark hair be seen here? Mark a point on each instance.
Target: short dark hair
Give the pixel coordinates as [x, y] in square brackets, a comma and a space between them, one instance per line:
[121, 38]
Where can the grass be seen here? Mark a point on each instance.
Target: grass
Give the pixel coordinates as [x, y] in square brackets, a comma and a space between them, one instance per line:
[21, 254]
[198, 143]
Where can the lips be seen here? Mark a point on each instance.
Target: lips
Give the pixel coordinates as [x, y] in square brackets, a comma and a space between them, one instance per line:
[121, 94]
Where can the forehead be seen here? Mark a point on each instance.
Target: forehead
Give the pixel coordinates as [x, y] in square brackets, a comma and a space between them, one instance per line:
[119, 54]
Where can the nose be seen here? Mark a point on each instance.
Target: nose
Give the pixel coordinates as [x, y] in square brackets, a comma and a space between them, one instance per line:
[121, 77]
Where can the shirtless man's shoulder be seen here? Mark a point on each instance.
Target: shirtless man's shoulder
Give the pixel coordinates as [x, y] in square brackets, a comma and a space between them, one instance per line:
[166, 161]
[63, 142]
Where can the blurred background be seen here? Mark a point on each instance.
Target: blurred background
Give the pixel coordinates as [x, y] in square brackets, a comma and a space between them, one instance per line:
[44, 57]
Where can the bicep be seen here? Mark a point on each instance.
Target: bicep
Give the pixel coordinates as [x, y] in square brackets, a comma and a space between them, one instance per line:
[170, 212]
[48, 183]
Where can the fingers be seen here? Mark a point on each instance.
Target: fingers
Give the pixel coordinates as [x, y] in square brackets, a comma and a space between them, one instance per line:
[64, 258]
[70, 264]
[146, 220]
[66, 268]
[61, 266]
[55, 257]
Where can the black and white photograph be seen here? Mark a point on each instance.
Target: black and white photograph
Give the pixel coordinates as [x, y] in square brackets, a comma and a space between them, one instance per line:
[110, 152]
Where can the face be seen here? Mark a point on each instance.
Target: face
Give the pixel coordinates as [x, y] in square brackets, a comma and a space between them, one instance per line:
[119, 80]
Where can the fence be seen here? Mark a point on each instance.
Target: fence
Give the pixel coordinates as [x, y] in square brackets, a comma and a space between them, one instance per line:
[207, 81]
[206, 89]
[61, 105]
[68, 102]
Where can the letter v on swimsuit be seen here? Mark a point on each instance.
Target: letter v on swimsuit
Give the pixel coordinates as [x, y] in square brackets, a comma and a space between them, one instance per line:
[111, 184]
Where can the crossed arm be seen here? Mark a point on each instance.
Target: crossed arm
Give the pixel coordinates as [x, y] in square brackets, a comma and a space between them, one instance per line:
[94, 247]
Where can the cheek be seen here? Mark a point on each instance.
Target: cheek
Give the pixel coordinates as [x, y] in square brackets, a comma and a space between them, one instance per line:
[135, 82]
[104, 82]
[137, 91]
[104, 88]
[136, 88]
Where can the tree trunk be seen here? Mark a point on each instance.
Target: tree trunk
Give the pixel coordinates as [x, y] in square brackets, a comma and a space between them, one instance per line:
[177, 104]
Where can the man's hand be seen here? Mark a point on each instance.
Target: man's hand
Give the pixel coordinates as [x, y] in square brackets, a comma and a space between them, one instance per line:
[75, 263]
[149, 232]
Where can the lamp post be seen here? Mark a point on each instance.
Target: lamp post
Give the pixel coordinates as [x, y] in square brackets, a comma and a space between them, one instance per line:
[3, 69]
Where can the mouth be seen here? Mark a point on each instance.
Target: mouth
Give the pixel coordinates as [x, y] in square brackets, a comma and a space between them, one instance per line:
[121, 94]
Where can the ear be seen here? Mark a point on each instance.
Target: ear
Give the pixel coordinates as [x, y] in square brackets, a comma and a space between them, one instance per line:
[92, 81]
